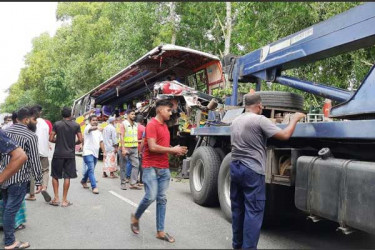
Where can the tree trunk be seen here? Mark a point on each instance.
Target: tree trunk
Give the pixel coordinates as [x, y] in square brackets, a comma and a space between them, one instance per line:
[228, 27]
[173, 20]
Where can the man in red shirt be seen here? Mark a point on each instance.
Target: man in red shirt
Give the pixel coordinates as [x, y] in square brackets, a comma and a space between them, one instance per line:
[156, 175]
[141, 130]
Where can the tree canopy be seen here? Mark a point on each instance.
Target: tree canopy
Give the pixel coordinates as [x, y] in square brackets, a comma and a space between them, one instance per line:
[98, 39]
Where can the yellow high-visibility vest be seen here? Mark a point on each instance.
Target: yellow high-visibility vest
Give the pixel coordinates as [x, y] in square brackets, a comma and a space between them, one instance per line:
[131, 135]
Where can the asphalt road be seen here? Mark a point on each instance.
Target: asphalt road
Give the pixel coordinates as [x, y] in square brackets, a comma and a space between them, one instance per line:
[102, 221]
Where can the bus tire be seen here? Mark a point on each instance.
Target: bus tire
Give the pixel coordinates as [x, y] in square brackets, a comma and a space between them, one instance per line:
[204, 171]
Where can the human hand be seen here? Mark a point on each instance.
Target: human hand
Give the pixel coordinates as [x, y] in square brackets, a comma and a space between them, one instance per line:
[100, 129]
[298, 116]
[124, 152]
[179, 150]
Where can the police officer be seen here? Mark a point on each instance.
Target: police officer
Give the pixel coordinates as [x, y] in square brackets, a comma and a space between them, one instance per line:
[249, 133]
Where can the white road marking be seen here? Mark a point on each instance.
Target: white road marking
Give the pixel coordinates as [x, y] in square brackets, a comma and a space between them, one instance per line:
[126, 200]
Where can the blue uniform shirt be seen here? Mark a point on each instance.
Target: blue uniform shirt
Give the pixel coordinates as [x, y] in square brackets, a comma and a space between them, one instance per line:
[6, 144]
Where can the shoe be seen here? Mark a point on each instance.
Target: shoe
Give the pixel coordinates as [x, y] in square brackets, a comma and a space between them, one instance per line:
[95, 191]
[127, 180]
[136, 187]
[84, 184]
[123, 186]
[105, 175]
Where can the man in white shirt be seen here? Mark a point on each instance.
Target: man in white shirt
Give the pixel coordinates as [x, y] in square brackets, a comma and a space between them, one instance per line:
[42, 131]
[93, 140]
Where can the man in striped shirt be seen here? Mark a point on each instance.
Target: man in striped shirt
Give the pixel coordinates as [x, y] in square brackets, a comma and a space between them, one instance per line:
[14, 189]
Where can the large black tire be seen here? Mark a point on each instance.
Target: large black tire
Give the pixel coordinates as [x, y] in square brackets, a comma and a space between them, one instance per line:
[203, 174]
[224, 187]
[221, 153]
[281, 99]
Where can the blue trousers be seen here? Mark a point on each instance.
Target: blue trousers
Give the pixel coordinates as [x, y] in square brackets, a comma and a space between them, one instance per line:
[90, 162]
[248, 197]
[156, 183]
[12, 198]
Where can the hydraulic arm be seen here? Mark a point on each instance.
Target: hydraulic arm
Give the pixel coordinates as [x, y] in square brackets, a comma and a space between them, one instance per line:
[348, 31]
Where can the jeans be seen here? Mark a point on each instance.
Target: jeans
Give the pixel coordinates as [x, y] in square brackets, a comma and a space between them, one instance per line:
[90, 161]
[248, 198]
[140, 169]
[13, 196]
[156, 181]
[84, 168]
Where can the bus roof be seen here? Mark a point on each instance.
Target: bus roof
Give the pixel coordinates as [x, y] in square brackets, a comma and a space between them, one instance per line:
[142, 74]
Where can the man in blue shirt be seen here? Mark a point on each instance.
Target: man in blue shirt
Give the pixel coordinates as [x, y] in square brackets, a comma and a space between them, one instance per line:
[12, 202]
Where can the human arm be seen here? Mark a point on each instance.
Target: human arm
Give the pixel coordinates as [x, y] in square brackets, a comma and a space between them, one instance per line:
[18, 157]
[122, 133]
[52, 137]
[79, 138]
[33, 162]
[102, 147]
[92, 128]
[114, 138]
[155, 148]
[287, 132]
[142, 146]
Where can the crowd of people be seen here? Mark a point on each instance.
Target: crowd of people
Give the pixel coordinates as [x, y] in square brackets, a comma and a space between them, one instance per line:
[143, 164]
[25, 144]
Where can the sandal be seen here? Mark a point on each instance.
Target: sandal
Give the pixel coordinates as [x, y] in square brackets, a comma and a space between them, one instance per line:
[54, 203]
[30, 198]
[134, 226]
[46, 196]
[167, 238]
[67, 204]
[135, 187]
[20, 245]
[20, 227]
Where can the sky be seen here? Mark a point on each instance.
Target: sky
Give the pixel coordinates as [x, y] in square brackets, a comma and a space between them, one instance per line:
[19, 24]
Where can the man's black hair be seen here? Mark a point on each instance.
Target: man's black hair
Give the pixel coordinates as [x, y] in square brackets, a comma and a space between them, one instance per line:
[91, 117]
[139, 118]
[35, 111]
[66, 112]
[161, 103]
[14, 117]
[129, 111]
[251, 99]
[37, 107]
[23, 113]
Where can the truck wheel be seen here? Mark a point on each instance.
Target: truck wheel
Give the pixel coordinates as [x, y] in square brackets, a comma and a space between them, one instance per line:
[221, 153]
[281, 99]
[204, 169]
[224, 187]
